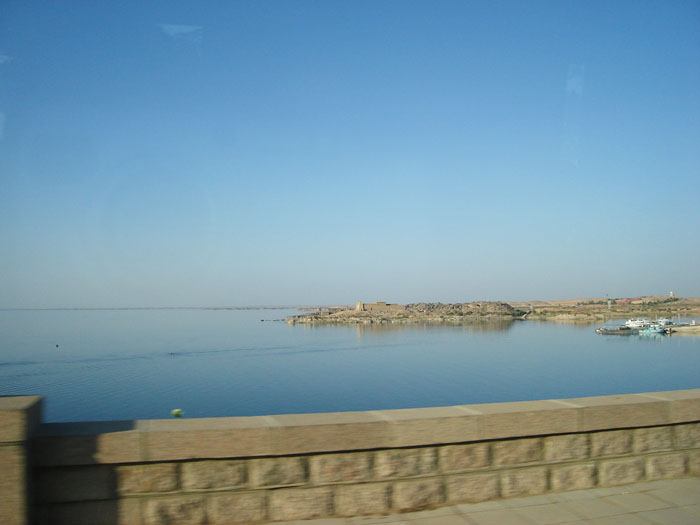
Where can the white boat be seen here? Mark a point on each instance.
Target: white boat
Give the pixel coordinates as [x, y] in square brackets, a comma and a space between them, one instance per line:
[664, 321]
[637, 323]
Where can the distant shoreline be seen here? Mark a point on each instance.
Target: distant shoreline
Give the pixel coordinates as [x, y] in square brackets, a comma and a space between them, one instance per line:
[158, 308]
[574, 310]
[568, 310]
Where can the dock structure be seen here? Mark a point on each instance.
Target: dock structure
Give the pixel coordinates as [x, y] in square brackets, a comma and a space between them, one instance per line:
[685, 329]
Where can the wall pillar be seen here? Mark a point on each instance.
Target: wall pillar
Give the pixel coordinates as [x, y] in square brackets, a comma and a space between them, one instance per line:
[19, 419]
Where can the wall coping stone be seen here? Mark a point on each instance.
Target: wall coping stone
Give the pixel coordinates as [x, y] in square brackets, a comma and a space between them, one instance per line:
[20, 416]
[292, 434]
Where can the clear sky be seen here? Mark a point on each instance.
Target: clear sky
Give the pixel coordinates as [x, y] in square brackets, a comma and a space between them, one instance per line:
[322, 152]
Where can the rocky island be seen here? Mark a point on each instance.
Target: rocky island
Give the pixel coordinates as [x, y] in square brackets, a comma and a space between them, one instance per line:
[381, 312]
[574, 310]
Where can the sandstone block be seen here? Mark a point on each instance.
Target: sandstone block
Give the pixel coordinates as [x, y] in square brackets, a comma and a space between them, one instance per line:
[331, 468]
[183, 510]
[517, 451]
[12, 485]
[197, 438]
[110, 512]
[613, 443]
[693, 462]
[524, 482]
[622, 411]
[364, 498]
[243, 507]
[77, 484]
[301, 504]
[688, 436]
[405, 462]
[268, 472]
[472, 488]
[69, 450]
[213, 474]
[418, 494]
[566, 447]
[157, 477]
[417, 426]
[652, 439]
[573, 477]
[455, 458]
[620, 471]
[666, 466]
[525, 418]
[685, 405]
[331, 432]
[20, 416]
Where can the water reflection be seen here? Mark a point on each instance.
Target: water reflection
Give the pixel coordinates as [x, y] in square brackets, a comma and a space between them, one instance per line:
[500, 325]
[567, 321]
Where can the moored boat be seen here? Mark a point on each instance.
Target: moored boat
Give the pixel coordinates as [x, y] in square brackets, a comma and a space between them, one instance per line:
[618, 330]
[637, 323]
[653, 329]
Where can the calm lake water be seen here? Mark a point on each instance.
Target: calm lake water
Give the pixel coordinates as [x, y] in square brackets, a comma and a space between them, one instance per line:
[141, 364]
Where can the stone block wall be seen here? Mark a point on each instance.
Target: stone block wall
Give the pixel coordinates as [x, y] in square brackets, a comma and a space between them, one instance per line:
[19, 419]
[292, 467]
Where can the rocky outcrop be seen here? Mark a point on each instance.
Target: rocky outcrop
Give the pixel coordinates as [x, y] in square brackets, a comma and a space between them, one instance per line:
[416, 313]
[479, 308]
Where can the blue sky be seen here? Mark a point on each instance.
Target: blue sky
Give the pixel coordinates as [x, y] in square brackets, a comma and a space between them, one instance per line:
[298, 152]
